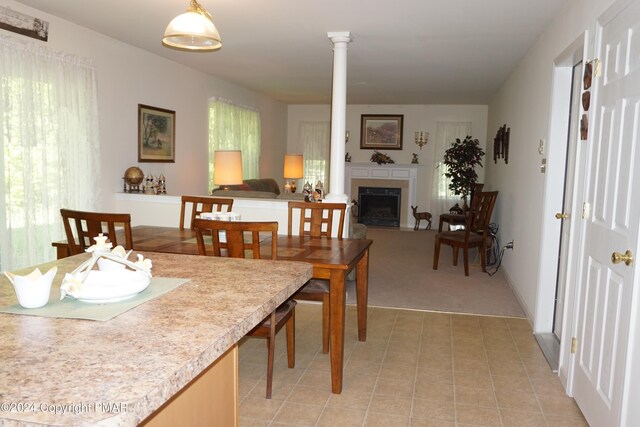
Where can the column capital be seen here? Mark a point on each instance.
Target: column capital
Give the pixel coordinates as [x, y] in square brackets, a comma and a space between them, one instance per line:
[339, 36]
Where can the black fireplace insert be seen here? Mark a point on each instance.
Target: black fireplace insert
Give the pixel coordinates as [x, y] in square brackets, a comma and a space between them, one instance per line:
[379, 206]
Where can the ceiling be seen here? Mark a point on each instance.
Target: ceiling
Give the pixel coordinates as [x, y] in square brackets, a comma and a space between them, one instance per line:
[403, 52]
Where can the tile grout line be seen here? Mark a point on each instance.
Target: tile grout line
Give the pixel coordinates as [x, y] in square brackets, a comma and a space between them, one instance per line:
[544, 416]
[415, 377]
[366, 412]
[493, 386]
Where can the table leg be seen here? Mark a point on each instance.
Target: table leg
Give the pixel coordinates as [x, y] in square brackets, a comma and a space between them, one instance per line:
[337, 297]
[362, 292]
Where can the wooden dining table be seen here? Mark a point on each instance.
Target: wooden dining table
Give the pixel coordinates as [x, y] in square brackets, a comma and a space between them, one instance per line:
[331, 258]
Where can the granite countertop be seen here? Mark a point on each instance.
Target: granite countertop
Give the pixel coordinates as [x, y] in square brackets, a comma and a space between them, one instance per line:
[79, 372]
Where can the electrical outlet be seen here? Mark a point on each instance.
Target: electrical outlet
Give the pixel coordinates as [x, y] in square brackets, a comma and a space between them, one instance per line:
[509, 245]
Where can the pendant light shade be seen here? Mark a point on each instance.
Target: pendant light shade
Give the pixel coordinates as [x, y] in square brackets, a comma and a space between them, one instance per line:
[193, 30]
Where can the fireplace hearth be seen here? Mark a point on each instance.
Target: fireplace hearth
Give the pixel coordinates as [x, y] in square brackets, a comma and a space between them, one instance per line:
[379, 206]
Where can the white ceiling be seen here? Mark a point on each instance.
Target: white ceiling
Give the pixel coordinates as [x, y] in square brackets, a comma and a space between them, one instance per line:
[403, 52]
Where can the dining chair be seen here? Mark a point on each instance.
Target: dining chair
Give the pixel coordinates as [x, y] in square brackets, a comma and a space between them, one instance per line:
[474, 235]
[316, 220]
[459, 219]
[242, 238]
[88, 225]
[201, 204]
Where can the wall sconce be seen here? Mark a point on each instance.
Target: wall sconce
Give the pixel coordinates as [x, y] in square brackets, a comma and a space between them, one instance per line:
[422, 138]
[227, 168]
[293, 169]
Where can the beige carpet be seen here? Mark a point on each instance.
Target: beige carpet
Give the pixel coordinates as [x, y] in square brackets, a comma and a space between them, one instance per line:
[401, 275]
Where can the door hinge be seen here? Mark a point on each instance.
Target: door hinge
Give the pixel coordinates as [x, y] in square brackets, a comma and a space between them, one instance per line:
[586, 210]
[574, 344]
[597, 68]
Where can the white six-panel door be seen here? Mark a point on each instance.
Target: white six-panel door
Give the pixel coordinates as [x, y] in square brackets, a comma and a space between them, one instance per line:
[613, 194]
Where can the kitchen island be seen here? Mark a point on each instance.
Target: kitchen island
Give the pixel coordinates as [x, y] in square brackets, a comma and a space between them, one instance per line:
[168, 361]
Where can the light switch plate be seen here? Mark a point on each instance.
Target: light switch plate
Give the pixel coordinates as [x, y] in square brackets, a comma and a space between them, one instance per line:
[543, 166]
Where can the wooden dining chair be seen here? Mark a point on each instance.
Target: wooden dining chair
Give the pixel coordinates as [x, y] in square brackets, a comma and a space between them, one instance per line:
[201, 204]
[81, 227]
[474, 235]
[316, 220]
[459, 219]
[241, 238]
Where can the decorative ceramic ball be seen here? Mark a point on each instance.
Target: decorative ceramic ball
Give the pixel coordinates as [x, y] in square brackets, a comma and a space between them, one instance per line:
[133, 176]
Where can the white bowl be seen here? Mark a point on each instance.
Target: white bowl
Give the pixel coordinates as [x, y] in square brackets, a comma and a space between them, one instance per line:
[112, 285]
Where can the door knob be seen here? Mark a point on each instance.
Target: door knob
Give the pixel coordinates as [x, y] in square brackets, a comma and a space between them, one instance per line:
[617, 258]
[562, 215]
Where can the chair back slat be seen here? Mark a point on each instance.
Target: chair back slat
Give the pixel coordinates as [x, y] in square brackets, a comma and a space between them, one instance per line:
[316, 219]
[481, 211]
[240, 237]
[201, 204]
[81, 227]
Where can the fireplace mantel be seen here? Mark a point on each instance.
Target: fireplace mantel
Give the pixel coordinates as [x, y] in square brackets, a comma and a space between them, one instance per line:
[386, 172]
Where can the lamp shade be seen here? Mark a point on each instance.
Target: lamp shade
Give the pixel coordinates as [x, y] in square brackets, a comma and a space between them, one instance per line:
[293, 166]
[193, 30]
[227, 167]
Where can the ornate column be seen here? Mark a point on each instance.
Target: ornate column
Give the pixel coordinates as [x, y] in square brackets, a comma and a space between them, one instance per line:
[338, 116]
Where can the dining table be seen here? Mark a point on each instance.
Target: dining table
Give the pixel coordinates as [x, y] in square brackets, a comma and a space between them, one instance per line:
[332, 259]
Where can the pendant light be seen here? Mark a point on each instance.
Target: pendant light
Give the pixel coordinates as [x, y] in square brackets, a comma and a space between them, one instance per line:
[193, 31]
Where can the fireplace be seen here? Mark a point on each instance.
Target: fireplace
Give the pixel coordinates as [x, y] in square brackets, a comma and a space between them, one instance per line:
[387, 176]
[379, 206]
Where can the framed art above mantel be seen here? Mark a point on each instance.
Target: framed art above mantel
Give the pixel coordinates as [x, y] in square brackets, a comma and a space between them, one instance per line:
[381, 131]
[156, 134]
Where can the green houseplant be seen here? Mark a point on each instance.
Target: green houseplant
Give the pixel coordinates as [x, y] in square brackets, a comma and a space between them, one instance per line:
[461, 159]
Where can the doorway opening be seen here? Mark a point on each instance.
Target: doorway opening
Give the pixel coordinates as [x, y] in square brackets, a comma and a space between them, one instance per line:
[564, 178]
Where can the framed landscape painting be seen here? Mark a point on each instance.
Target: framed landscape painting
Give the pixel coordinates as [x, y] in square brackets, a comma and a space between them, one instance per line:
[156, 134]
[381, 132]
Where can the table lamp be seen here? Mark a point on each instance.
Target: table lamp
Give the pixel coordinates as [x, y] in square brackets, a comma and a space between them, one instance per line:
[293, 169]
[227, 168]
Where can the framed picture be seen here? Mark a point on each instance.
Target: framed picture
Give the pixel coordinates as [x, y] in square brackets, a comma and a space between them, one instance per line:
[381, 132]
[156, 134]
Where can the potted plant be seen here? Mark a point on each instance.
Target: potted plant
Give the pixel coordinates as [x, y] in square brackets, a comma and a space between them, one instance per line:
[461, 159]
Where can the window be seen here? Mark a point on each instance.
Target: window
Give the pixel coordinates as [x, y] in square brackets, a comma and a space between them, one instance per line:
[315, 145]
[234, 127]
[446, 133]
[49, 156]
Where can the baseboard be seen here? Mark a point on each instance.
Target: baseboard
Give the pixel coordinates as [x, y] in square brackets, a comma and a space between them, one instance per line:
[527, 313]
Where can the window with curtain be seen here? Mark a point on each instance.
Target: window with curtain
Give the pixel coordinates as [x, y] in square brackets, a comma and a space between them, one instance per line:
[49, 157]
[314, 141]
[234, 127]
[441, 197]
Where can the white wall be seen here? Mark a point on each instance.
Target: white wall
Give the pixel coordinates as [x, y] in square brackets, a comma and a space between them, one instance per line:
[128, 76]
[523, 103]
[416, 118]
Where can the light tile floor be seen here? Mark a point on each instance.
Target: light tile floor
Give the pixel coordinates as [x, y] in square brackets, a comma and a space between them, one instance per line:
[415, 369]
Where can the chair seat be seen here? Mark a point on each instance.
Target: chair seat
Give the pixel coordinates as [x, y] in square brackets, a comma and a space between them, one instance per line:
[458, 236]
[281, 312]
[454, 218]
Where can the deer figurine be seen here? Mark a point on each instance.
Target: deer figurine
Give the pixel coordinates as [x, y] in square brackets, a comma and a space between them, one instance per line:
[420, 216]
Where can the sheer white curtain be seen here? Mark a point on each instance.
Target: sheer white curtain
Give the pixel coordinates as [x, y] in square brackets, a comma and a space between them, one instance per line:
[314, 140]
[446, 133]
[234, 127]
[49, 156]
